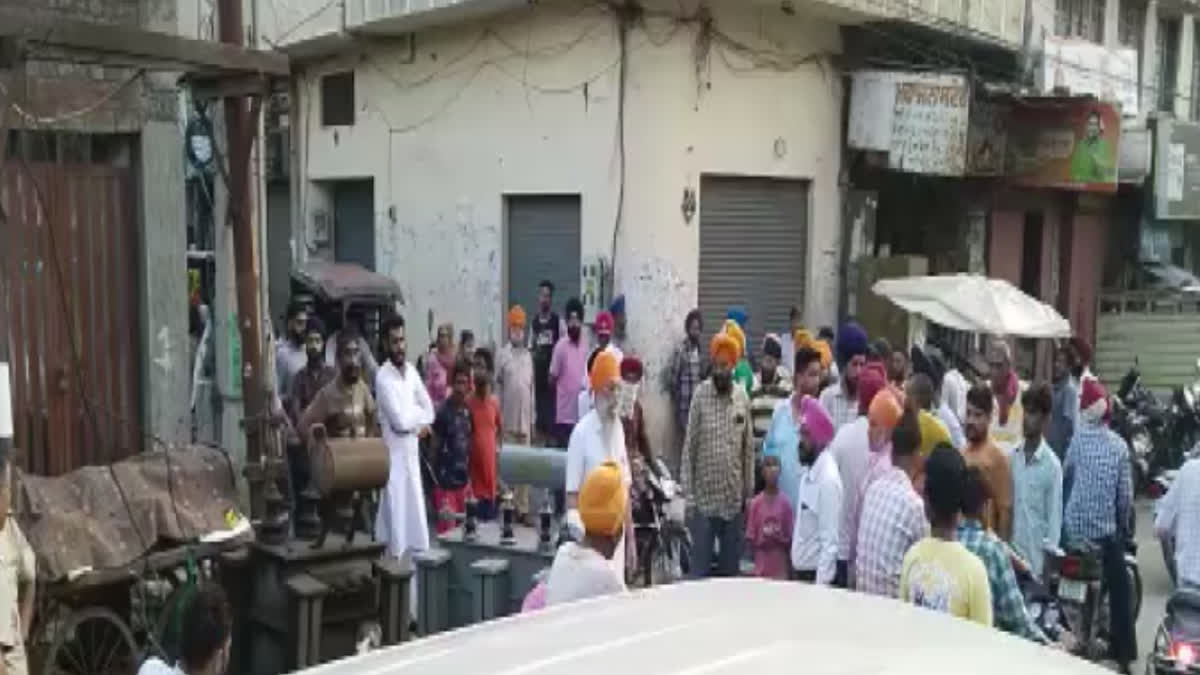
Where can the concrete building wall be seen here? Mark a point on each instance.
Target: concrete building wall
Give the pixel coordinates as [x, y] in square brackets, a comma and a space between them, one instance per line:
[528, 103]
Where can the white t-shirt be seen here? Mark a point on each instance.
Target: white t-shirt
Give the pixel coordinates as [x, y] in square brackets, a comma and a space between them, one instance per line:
[578, 573]
[591, 445]
[156, 666]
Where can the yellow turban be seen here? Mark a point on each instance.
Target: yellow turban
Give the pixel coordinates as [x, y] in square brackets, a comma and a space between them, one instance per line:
[516, 316]
[885, 410]
[933, 432]
[733, 330]
[605, 370]
[724, 349]
[802, 338]
[603, 499]
[822, 348]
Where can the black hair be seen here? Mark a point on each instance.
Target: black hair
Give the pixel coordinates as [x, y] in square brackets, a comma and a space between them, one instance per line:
[345, 338]
[484, 354]
[793, 312]
[391, 323]
[547, 284]
[805, 356]
[467, 335]
[1038, 399]
[921, 387]
[906, 437]
[693, 315]
[295, 308]
[975, 493]
[883, 348]
[461, 367]
[771, 347]
[315, 325]
[980, 396]
[592, 359]
[207, 623]
[944, 476]
[575, 306]
[825, 333]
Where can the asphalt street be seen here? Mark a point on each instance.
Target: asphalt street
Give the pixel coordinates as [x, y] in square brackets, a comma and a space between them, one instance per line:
[1156, 583]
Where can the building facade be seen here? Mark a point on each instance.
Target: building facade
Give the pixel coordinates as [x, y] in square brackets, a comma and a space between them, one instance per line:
[681, 154]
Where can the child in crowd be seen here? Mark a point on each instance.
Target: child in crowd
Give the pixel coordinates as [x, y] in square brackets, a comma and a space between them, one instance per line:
[486, 428]
[452, 434]
[769, 525]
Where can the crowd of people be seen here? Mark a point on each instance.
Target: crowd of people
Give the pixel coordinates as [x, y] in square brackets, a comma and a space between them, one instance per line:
[826, 458]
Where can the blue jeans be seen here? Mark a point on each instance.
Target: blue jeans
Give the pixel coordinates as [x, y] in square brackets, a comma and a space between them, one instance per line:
[727, 534]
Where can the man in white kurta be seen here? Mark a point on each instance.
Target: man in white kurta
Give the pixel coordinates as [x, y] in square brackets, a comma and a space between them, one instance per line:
[405, 413]
[596, 439]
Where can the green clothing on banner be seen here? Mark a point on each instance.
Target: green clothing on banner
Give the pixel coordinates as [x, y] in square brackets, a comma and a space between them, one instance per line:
[1092, 161]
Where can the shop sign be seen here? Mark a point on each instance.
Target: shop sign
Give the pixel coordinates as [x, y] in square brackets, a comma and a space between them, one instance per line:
[1081, 67]
[1064, 143]
[918, 119]
[987, 137]
[1176, 170]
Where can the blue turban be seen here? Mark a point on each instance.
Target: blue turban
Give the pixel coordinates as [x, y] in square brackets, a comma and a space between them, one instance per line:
[851, 342]
[738, 313]
[618, 305]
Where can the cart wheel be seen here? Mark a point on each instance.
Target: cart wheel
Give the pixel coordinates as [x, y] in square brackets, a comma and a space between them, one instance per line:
[92, 641]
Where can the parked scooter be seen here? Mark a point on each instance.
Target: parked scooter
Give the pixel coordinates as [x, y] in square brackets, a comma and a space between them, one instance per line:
[1177, 642]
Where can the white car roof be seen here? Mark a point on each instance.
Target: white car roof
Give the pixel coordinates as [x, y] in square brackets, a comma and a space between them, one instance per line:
[721, 627]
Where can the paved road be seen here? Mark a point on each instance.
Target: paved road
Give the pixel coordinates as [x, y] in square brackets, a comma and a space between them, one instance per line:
[1155, 582]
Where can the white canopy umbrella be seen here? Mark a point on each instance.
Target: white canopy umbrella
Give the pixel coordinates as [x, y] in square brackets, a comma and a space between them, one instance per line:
[975, 303]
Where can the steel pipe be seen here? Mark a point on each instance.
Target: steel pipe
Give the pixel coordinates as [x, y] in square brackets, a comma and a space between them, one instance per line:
[533, 466]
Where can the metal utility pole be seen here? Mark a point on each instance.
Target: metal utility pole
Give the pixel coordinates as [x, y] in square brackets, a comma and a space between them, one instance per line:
[261, 465]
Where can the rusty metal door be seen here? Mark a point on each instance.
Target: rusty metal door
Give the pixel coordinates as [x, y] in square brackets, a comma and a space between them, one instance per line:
[70, 304]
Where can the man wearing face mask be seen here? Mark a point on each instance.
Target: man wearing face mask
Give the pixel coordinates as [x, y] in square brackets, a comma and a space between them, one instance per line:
[596, 439]
[568, 372]
[718, 463]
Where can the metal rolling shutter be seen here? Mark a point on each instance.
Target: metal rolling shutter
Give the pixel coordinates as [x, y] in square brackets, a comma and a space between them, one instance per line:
[543, 243]
[753, 251]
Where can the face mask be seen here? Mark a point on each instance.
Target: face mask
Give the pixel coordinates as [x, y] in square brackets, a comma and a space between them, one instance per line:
[627, 396]
[573, 332]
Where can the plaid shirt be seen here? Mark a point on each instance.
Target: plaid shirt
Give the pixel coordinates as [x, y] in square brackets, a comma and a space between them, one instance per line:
[842, 408]
[1097, 482]
[684, 375]
[1008, 605]
[893, 519]
[718, 452]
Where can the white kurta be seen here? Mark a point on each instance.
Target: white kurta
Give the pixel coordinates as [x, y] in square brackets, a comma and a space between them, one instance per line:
[592, 444]
[404, 407]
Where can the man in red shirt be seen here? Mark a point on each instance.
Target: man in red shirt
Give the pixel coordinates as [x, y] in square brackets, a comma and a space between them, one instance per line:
[485, 436]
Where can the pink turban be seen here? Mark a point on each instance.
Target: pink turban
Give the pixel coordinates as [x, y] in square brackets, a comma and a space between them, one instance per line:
[816, 422]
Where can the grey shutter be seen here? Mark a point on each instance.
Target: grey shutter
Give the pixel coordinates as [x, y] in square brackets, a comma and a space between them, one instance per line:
[543, 243]
[753, 251]
[354, 222]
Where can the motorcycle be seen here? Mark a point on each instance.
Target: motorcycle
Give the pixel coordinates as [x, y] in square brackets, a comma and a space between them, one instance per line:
[1143, 421]
[1074, 575]
[1177, 640]
[659, 529]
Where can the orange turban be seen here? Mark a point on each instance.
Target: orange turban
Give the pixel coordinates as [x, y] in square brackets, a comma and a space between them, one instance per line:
[516, 316]
[605, 370]
[885, 410]
[802, 338]
[733, 330]
[822, 348]
[603, 500]
[724, 349]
